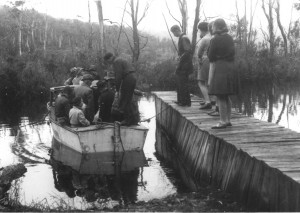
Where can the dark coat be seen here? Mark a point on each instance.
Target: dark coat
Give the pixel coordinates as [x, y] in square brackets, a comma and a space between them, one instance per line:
[62, 107]
[86, 93]
[221, 48]
[221, 52]
[105, 101]
[185, 65]
[121, 69]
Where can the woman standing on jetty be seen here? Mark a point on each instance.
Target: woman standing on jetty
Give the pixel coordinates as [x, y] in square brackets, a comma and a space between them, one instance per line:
[221, 80]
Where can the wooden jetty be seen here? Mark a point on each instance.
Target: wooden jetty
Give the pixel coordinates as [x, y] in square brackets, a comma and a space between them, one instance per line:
[258, 162]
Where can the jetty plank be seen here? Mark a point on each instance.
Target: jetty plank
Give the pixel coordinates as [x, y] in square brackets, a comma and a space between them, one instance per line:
[257, 161]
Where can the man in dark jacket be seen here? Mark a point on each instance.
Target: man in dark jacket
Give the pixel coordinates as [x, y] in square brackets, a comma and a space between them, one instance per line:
[184, 67]
[63, 106]
[85, 92]
[125, 84]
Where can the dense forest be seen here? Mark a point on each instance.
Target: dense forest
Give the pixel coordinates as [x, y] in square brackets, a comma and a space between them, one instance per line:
[37, 51]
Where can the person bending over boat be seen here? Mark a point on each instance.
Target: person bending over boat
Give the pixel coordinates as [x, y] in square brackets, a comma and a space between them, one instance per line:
[105, 100]
[76, 115]
[125, 84]
[85, 92]
[63, 106]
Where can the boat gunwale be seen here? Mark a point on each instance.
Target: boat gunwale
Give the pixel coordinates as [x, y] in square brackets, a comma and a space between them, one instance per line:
[96, 127]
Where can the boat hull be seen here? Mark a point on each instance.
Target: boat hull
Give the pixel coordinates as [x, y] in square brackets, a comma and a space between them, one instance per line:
[100, 138]
[104, 163]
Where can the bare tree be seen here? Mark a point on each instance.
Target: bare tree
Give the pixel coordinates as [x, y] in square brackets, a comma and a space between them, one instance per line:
[283, 33]
[18, 15]
[195, 26]
[120, 30]
[238, 27]
[45, 35]
[32, 35]
[269, 16]
[184, 14]
[252, 13]
[136, 20]
[101, 30]
[90, 39]
[184, 19]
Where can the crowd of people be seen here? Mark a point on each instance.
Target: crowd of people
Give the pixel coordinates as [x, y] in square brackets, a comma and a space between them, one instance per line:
[215, 76]
[109, 99]
[114, 95]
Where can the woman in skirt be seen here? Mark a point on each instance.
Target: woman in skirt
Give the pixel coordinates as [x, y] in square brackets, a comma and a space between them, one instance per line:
[222, 79]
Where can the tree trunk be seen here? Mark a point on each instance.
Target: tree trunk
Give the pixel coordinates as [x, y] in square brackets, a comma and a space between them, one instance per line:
[90, 40]
[136, 39]
[20, 35]
[45, 36]
[239, 29]
[60, 39]
[32, 36]
[270, 19]
[195, 27]
[27, 43]
[246, 30]
[283, 34]
[184, 14]
[101, 31]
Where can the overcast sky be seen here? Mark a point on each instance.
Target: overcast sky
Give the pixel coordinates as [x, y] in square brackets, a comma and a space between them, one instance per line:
[154, 22]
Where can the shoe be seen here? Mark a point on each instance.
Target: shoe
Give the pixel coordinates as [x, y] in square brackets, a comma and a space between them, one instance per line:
[214, 113]
[202, 102]
[228, 124]
[206, 106]
[220, 126]
[178, 103]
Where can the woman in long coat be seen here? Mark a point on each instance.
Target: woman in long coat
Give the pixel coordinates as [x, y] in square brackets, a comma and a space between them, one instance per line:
[222, 82]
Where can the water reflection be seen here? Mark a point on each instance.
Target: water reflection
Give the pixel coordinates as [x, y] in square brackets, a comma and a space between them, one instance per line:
[270, 102]
[172, 163]
[95, 176]
[14, 112]
[49, 184]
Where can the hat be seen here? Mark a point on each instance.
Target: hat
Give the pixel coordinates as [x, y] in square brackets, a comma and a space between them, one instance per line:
[101, 84]
[76, 101]
[87, 77]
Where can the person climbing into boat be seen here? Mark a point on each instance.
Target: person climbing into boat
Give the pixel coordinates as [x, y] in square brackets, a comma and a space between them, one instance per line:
[76, 115]
[85, 92]
[63, 106]
[125, 81]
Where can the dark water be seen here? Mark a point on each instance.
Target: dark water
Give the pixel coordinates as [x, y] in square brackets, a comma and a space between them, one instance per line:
[273, 103]
[72, 181]
[49, 182]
